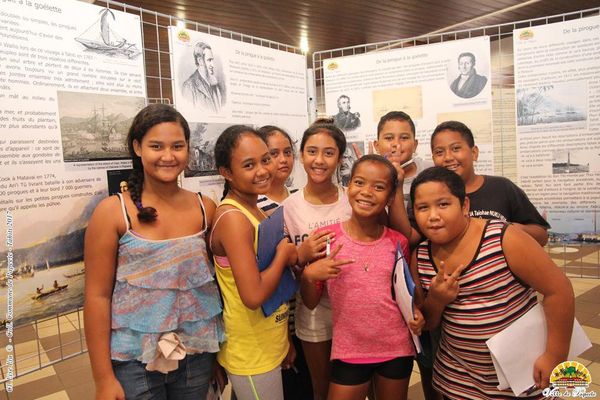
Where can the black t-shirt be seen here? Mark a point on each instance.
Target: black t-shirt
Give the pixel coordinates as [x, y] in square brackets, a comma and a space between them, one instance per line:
[498, 198]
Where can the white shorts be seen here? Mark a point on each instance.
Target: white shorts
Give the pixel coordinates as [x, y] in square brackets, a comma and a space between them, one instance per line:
[314, 325]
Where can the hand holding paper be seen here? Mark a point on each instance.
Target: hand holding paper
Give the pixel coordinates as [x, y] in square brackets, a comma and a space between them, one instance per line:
[314, 246]
[289, 249]
[417, 323]
[542, 368]
[518, 352]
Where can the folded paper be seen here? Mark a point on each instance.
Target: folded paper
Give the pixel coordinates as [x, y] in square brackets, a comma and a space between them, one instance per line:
[169, 351]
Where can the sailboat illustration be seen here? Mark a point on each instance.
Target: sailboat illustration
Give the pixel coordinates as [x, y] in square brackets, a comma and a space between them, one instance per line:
[101, 38]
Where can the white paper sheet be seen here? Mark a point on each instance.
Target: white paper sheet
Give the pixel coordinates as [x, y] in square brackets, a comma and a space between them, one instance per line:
[515, 349]
[404, 293]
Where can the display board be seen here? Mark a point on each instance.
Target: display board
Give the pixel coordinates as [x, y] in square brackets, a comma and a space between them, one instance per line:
[71, 81]
[424, 82]
[557, 84]
[219, 82]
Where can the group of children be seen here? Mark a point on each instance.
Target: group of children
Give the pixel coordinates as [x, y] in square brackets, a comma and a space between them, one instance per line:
[153, 317]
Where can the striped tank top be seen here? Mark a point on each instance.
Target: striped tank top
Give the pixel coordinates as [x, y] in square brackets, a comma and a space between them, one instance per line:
[490, 298]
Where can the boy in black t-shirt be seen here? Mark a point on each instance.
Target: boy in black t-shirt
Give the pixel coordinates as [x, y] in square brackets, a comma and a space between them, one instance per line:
[491, 197]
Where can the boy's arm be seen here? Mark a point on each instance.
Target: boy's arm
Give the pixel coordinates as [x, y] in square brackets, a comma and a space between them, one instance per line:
[414, 272]
[525, 216]
[538, 232]
[419, 322]
[399, 220]
[530, 263]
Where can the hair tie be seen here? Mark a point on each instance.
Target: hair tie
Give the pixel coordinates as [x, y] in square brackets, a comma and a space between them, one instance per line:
[138, 204]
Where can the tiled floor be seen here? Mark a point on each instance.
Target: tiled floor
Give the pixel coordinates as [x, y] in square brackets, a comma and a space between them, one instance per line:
[72, 378]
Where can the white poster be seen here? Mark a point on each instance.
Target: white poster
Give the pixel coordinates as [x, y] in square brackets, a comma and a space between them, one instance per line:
[219, 82]
[557, 83]
[424, 82]
[71, 81]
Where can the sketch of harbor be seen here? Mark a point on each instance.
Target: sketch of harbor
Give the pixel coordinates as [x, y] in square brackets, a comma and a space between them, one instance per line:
[550, 104]
[47, 275]
[94, 127]
[202, 148]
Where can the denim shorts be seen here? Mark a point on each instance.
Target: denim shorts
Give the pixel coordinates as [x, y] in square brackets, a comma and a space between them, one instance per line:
[188, 382]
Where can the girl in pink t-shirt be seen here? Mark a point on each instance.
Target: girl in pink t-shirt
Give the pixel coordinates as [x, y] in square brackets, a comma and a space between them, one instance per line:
[370, 337]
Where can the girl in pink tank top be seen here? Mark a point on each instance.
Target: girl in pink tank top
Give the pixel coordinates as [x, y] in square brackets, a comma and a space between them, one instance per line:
[370, 337]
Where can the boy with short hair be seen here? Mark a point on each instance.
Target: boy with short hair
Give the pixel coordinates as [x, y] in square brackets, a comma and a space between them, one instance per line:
[396, 141]
[491, 197]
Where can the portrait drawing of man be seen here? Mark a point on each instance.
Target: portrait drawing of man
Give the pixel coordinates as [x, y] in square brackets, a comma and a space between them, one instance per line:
[203, 88]
[469, 83]
[345, 119]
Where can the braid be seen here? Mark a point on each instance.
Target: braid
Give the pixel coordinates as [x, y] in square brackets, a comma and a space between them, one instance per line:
[225, 189]
[136, 184]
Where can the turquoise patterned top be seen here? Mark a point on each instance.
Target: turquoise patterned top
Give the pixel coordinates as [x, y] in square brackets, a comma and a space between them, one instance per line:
[163, 286]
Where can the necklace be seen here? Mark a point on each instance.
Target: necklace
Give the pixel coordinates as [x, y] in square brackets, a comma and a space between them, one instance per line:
[380, 229]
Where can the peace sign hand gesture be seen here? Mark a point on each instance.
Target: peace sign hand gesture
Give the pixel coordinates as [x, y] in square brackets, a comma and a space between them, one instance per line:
[325, 268]
[444, 287]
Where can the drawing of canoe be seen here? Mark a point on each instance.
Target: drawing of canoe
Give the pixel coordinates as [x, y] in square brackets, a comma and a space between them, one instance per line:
[100, 37]
[49, 292]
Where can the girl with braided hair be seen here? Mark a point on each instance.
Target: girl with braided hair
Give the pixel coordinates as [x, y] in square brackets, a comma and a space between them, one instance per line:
[152, 309]
[257, 346]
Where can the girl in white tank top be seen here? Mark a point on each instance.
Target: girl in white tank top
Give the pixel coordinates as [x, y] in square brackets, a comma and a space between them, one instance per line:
[321, 202]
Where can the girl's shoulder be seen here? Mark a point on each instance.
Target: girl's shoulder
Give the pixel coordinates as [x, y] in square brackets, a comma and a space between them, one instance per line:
[228, 223]
[110, 213]
[209, 207]
[295, 196]
[396, 237]
[232, 213]
[112, 206]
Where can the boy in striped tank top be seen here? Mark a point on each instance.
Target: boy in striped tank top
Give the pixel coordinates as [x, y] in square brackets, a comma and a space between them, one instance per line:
[476, 278]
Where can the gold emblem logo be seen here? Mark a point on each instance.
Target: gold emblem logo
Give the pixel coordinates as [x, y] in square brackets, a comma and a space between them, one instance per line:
[183, 36]
[526, 34]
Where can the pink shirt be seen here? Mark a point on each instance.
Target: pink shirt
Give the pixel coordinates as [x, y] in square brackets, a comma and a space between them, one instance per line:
[367, 323]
